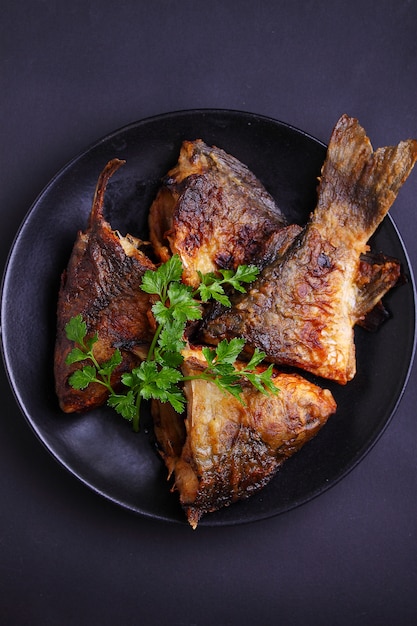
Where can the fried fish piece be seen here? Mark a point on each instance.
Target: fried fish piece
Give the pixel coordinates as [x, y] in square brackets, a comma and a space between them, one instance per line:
[214, 213]
[225, 451]
[378, 274]
[302, 309]
[102, 283]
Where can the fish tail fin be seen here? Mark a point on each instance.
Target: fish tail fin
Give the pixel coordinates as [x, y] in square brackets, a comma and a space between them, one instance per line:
[359, 183]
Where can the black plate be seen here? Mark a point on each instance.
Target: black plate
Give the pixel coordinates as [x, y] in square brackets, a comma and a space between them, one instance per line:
[99, 448]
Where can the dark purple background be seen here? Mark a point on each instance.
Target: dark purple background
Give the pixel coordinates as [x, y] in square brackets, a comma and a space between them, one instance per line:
[71, 75]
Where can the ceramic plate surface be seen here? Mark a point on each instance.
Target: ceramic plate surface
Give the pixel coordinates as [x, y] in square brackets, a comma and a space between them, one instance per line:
[100, 448]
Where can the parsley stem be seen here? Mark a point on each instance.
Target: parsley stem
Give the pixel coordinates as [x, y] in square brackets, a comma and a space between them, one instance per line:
[89, 355]
[154, 341]
[104, 383]
[149, 357]
[135, 420]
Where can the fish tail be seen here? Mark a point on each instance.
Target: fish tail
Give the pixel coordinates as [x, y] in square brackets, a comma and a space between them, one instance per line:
[359, 184]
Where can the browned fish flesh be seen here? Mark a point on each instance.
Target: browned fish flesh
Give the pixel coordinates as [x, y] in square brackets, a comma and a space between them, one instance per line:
[302, 308]
[225, 451]
[377, 275]
[214, 212]
[102, 282]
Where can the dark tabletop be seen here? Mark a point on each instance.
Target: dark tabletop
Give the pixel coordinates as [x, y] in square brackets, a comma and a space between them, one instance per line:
[72, 73]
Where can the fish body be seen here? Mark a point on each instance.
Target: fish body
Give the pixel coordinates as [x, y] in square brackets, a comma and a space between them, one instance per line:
[226, 450]
[102, 283]
[302, 309]
[214, 213]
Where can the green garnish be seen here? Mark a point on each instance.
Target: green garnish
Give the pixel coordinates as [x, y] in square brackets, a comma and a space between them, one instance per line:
[159, 377]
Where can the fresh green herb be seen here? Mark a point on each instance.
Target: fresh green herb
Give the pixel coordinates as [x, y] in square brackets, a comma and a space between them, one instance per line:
[221, 369]
[76, 331]
[159, 376]
[212, 286]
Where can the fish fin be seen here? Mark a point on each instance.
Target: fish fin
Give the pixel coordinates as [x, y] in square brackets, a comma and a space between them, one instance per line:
[355, 175]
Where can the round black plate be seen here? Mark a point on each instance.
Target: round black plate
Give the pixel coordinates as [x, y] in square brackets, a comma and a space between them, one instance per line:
[100, 448]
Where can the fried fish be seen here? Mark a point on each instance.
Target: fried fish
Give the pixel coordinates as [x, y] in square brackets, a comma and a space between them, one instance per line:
[102, 283]
[226, 450]
[214, 212]
[302, 309]
[315, 284]
[378, 273]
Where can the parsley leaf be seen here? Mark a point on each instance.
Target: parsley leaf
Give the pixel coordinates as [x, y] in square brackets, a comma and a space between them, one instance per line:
[157, 281]
[212, 284]
[75, 356]
[76, 329]
[124, 404]
[159, 377]
[109, 366]
[80, 379]
[182, 305]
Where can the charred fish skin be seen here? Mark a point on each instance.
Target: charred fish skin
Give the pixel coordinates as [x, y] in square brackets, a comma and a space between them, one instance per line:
[102, 283]
[226, 450]
[302, 308]
[213, 212]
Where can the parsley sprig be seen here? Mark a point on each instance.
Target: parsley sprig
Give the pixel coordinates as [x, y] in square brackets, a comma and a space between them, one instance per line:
[221, 369]
[159, 377]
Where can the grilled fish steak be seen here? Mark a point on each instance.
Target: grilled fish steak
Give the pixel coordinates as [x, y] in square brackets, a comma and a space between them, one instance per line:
[302, 308]
[226, 450]
[102, 282]
[214, 212]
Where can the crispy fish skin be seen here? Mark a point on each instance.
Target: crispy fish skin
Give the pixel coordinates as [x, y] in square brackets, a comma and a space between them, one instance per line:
[378, 274]
[302, 309]
[102, 282]
[225, 450]
[214, 213]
